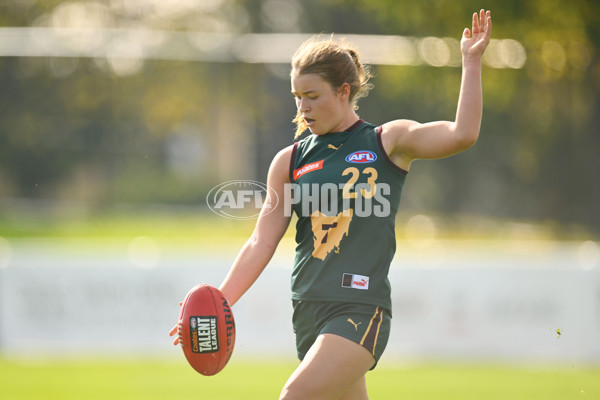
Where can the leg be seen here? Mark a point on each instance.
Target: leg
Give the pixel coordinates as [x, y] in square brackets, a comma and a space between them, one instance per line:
[358, 391]
[331, 369]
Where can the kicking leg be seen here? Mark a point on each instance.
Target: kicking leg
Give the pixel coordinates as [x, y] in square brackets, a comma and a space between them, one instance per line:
[358, 390]
[333, 368]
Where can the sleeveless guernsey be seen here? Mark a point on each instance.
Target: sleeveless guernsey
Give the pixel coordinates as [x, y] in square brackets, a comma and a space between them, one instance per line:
[346, 193]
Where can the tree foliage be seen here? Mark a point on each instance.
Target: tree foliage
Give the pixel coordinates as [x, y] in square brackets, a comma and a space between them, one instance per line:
[73, 129]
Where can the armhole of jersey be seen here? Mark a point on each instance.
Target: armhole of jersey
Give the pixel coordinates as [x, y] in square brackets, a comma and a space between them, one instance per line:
[292, 161]
[385, 155]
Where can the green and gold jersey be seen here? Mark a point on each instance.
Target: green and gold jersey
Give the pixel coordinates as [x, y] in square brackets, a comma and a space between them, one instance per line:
[346, 193]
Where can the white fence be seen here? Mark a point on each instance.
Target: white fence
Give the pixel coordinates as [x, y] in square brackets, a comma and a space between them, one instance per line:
[527, 306]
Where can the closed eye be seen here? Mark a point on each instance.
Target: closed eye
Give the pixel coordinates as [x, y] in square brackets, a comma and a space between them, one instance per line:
[311, 95]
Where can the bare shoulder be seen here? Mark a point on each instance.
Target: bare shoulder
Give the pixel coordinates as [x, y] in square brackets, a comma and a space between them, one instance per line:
[283, 157]
[397, 127]
[281, 163]
[392, 135]
[285, 153]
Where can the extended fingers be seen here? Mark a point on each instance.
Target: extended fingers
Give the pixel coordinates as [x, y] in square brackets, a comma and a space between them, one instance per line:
[482, 22]
[475, 28]
[485, 21]
[488, 24]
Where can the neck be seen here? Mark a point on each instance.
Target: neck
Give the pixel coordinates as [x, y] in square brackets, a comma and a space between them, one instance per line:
[347, 122]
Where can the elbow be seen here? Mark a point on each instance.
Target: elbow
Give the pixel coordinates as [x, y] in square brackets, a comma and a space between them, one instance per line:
[466, 139]
[470, 140]
[466, 133]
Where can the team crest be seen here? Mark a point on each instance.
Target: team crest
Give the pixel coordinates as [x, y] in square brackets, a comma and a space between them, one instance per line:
[328, 232]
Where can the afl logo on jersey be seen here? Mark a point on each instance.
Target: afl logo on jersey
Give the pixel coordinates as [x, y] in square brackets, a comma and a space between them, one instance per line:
[361, 157]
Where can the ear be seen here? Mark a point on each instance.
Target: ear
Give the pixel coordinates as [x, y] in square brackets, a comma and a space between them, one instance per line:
[344, 90]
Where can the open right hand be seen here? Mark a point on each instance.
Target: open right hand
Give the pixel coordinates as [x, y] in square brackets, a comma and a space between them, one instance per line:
[475, 41]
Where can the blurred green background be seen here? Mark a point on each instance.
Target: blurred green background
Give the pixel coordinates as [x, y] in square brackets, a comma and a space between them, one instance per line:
[84, 136]
[105, 140]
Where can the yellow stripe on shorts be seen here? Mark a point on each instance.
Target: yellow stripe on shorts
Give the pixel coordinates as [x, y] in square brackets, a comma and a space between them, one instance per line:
[369, 340]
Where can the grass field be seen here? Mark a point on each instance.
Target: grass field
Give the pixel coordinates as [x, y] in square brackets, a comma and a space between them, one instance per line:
[247, 380]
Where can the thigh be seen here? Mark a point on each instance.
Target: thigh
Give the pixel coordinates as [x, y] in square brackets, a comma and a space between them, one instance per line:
[364, 324]
[367, 325]
[358, 391]
[332, 367]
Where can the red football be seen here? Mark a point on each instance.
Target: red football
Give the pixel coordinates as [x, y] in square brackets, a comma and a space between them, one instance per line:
[206, 329]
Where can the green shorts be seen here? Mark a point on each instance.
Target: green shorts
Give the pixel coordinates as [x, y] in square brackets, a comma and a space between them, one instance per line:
[365, 324]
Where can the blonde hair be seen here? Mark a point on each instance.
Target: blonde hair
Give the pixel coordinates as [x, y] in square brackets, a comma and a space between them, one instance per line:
[337, 63]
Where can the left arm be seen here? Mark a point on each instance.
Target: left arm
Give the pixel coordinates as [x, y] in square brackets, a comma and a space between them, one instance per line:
[406, 140]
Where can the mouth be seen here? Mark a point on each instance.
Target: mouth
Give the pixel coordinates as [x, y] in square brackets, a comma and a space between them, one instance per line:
[309, 121]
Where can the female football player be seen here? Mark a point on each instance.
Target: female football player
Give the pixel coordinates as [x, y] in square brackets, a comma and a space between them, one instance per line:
[346, 178]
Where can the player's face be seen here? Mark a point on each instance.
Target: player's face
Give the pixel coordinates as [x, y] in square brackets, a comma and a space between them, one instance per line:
[322, 106]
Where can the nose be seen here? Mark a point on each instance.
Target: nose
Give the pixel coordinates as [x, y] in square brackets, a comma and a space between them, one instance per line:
[303, 105]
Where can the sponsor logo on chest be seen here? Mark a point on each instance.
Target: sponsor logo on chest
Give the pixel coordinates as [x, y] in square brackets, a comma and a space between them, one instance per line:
[308, 168]
[361, 157]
